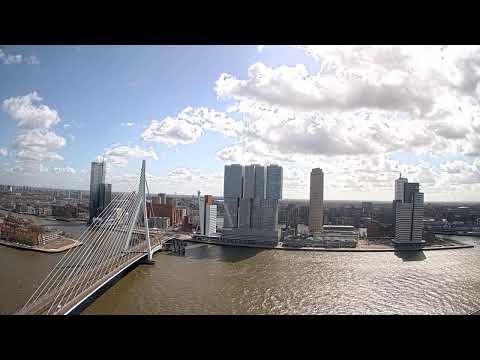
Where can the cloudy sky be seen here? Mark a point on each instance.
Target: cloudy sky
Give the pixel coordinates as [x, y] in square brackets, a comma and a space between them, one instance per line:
[362, 113]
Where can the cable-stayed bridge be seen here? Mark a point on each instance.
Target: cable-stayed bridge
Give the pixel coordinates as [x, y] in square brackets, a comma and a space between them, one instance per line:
[117, 240]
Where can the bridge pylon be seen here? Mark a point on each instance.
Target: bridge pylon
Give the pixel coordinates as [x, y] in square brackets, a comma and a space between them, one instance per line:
[143, 190]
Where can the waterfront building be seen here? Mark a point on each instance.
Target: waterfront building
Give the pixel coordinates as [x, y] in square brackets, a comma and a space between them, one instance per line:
[264, 214]
[208, 216]
[249, 182]
[274, 182]
[331, 236]
[260, 179]
[97, 177]
[315, 222]
[399, 187]
[409, 216]
[232, 193]
[105, 196]
[219, 223]
[246, 210]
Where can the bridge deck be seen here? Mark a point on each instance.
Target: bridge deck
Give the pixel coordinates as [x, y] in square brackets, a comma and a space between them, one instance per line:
[89, 282]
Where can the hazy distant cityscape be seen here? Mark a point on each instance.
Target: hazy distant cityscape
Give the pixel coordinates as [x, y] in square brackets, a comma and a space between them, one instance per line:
[251, 212]
[216, 179]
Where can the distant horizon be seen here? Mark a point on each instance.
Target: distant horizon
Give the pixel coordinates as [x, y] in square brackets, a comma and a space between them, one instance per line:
[221, 196]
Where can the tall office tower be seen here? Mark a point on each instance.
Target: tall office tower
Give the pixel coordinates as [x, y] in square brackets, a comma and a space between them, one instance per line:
[274, 182]
[249, 217]
[97, 177]
[264, 214]
[260, 179]
[249, 182]
[315, 221]
[409, 216]
[208, 215]
[399, 187]
[104, 197]
[245, 213]
[232, 193]
[399, 195]
[410, 189]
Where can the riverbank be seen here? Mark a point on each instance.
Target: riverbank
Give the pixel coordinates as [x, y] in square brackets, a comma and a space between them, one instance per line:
[55, 246]
[45, 220]
[362, 249]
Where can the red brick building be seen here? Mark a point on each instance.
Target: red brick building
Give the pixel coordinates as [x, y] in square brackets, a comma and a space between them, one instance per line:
[162, 210]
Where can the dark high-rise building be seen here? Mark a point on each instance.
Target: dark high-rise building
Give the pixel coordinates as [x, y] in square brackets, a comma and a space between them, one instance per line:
[315, 221]
[233, 188]
[260, 179]
[409, 216]
[105, 197]
[409, 190]
[274, 182]
[97, 177]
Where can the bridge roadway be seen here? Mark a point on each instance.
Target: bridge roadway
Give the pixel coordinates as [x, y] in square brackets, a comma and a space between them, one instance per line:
[124, 261]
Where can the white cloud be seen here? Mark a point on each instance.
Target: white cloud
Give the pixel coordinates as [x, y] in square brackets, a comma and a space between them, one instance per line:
[8, 59]
[3, 152]
[38, 139]
[121, 154]
[188, 125]
[294, 87]
[28, 115]
[260, 48]
[34, 141]
[129, 124]
[38, 145]
[37, 156]
[172, 131]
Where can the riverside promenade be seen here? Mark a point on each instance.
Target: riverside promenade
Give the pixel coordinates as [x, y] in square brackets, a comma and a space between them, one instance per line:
[361, 249]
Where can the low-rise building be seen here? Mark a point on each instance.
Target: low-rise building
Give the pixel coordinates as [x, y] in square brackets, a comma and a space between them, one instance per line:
[159, 222]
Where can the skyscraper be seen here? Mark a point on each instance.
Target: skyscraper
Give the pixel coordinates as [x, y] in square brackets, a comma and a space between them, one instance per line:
[249, 182]
[315, 221]
[232, 193]
[249, 216]
[97, 177]
[274, 182]
[104, 197]
[399, 187]
[409, 215]
[260, 177]
[208, 215]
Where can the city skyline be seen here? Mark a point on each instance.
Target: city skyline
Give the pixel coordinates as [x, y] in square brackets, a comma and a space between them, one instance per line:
[244, 104]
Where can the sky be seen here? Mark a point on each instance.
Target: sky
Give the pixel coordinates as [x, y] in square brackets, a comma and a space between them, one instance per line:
[364, 114]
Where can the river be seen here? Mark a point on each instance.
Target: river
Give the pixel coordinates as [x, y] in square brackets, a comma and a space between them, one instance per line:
[224, 280]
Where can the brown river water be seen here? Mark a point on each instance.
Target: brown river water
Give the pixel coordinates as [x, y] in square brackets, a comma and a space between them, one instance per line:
[223, 280]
